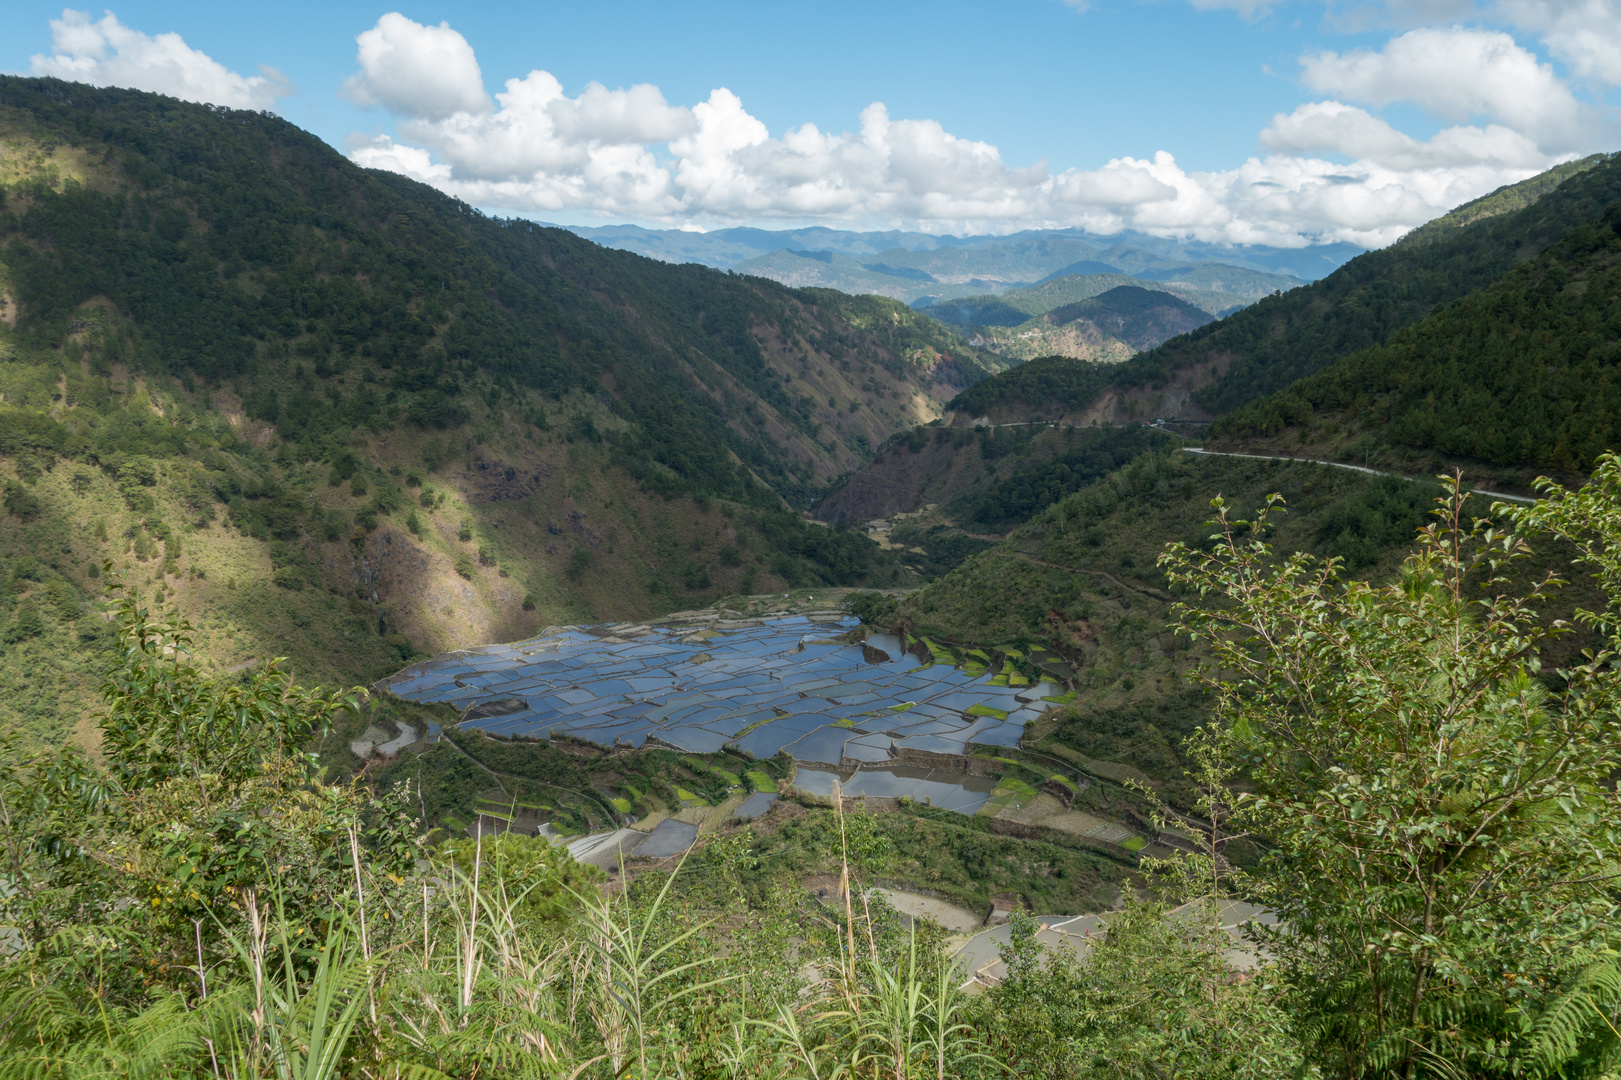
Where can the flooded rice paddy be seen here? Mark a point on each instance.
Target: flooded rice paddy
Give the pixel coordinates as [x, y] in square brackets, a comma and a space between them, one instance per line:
[846, 712]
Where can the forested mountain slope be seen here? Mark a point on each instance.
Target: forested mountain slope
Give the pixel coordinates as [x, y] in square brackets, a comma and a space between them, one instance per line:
[986, 479]
[333, 414]
[1533, 391]
[1281, 339]
[232, 241]
[1521, 377]
[1267, 346]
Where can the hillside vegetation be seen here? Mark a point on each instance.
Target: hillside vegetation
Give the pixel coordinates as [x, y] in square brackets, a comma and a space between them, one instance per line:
[1524, 374]
[1110, 327]
[986, 479]
[1079, 582]
[334, 415]
[1283, 338]
[1079, 578]
[1045, 388]
[1265, 347]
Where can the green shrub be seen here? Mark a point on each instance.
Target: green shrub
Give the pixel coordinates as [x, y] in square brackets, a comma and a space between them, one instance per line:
[873, 608]
[20, 502]
[65, 598]
[288, 577]
[401, 645]
[25, 623]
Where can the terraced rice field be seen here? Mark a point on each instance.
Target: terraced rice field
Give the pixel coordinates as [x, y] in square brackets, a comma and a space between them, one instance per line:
[756, 685]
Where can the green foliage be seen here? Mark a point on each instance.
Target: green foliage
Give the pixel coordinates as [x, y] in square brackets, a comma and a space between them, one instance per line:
[287, 577]
[1520, 372]
[943, 851]
[26, 623]
[1360, 305]
[806, 556]
[20, 502]
[1361, 530]
[163, 721]
[872, 608]
[1034, 488]
[944, 547]
[1442, 823]
[64, 598]
[206, 791]
[1154, 997]
[551, 883]
[1047, 386]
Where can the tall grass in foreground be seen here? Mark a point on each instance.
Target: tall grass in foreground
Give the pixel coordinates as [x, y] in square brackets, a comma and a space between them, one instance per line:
[471, 983]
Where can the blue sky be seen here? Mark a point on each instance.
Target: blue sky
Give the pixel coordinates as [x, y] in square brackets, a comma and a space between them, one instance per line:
[1286, 123]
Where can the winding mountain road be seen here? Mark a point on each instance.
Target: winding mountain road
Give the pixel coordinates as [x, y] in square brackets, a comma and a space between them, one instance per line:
[1342, 465]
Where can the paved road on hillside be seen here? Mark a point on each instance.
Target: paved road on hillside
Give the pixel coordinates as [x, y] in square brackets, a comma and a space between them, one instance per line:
[1342, 465]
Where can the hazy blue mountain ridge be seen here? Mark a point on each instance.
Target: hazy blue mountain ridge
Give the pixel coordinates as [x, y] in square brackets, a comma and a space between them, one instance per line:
[921, 267]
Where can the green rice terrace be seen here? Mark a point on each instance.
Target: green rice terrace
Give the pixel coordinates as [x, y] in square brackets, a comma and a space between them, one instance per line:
[886, 718]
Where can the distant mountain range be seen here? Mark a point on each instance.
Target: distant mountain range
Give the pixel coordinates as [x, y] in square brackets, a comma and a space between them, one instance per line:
[922, 269]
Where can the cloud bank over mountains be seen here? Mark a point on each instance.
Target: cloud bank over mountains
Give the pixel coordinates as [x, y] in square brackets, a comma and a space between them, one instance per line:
[631, 154]
[1333, 170]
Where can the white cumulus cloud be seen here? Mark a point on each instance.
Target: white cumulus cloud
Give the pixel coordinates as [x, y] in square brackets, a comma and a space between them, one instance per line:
[1455, 73]
[105, 52]
[1586, 34]
[1345, 129]
[416, 70]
